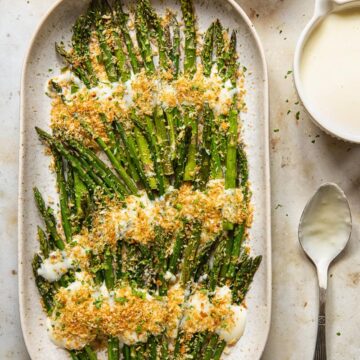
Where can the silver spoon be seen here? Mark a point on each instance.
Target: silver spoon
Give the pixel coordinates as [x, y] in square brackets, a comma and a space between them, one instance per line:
[324, 230]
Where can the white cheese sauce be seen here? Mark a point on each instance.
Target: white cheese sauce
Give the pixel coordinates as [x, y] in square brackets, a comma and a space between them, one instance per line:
[55, 266]
[330, 71]
[233, 334]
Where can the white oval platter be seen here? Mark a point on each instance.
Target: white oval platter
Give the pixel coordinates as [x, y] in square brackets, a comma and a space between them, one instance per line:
[40, 64]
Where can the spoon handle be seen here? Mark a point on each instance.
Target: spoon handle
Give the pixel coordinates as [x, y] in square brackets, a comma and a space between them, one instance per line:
[320, 349]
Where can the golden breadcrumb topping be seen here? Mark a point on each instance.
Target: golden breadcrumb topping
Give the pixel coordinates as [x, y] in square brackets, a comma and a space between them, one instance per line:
[144, 90]
[142, 93]
[136, 218]
[84, 311]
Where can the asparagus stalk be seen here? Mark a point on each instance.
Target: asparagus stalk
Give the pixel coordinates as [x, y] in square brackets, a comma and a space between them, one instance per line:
[115, 148]
[149, 132]
[66, 279]
[90, 353]
[190, 253]
[209, 350]
[48, 219]
[236, 250]
[100, 183]
[133, 265]
[219, 349]
[201, 263]
[140, 352]
[145, 156]
[98, 8]
[166, 143]
[178, 343]
[71, 60]
[117, 166]
[164, 351]
[219, 255]
[131, 152]
[232, 63]
[243, 171]
[232, 138]
[82, 355]
[245, 272]
[130, 165]
[99, 168]
[204, 158]
[182, 156]
[44, 288]
[231, 153]
[96, 267]
[119, 260]
[75, 163]
[108, 268]
[210, 163]
[44, 242]
[198, 342]
[175, 256]
[159, 259]
[163, 141]
[227, 256]
[74, 355]
[70, 189]
[122, 19]
[221, 53]
[82, 201]
[80, 42]
[207, 51]
[64, 206]
[175, 53]
[142, 35]
[216, 171]
[190, 37]
[152, 348]
[123, 67]
[155, 23]
[126, 352]
[190, 168]
[171, 115]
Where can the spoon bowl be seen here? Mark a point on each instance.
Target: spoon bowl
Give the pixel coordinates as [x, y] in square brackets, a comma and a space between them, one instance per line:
[324, 230]
[325, 226]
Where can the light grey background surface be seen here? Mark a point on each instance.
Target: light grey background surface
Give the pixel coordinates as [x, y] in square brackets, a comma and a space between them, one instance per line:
[302, 157]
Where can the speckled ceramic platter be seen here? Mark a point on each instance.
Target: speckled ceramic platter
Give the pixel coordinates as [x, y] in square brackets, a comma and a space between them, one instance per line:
[40, 64]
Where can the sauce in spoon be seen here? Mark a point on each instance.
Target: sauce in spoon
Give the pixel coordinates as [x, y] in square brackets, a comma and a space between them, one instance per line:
[325, 225]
